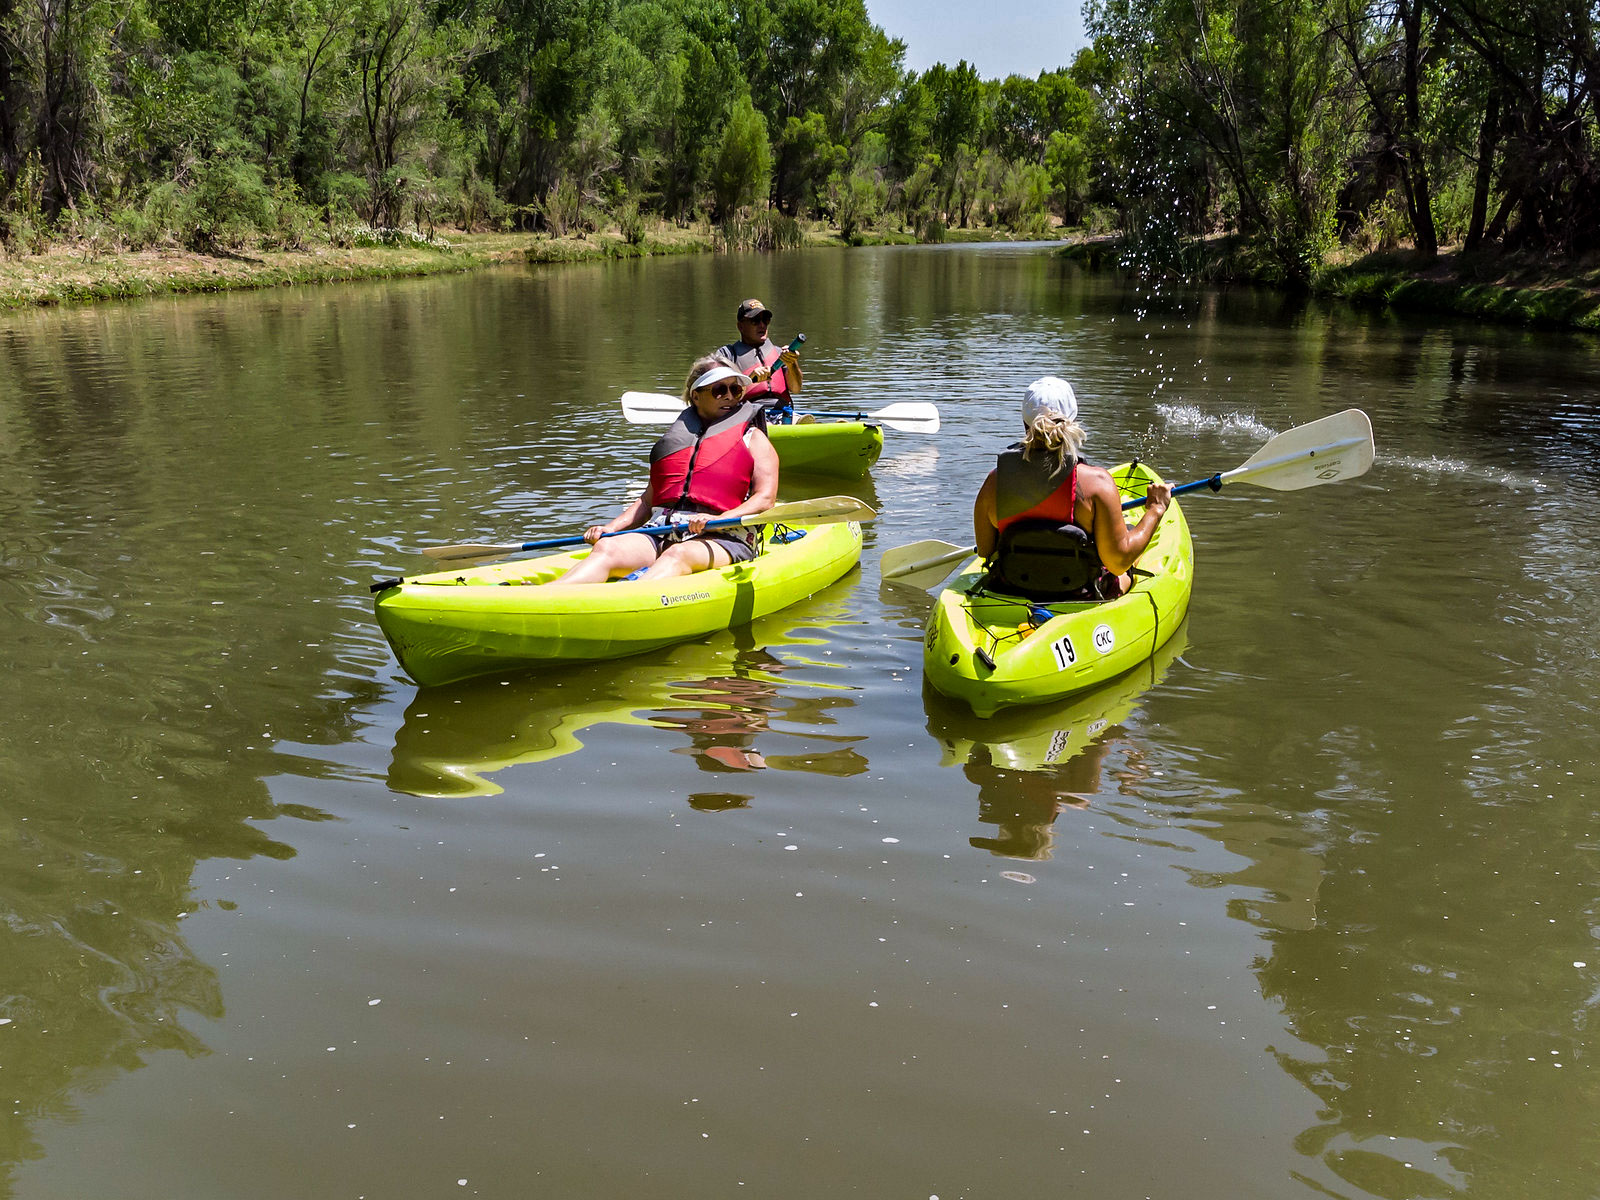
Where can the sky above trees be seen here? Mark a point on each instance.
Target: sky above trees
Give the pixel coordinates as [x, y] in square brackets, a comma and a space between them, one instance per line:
[1000, 40]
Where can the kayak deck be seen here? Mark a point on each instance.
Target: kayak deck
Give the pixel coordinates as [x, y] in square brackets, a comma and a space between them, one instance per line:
[451, 625]
[994, 651]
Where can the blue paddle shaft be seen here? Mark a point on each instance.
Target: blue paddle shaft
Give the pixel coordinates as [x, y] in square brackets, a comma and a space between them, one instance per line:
[579, 539]
[1214, 483]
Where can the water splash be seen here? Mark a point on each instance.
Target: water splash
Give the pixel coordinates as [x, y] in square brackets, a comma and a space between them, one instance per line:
[1186, 418]
[1439, 466]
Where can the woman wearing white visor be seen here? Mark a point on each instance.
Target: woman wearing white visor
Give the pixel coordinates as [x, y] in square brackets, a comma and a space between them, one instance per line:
[712, 462]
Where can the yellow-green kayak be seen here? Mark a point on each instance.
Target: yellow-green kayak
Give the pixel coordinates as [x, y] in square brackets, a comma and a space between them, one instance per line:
[994, 651]
[823, 447]
[452, 625]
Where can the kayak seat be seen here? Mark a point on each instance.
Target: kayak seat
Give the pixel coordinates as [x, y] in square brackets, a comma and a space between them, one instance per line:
[1040, 559]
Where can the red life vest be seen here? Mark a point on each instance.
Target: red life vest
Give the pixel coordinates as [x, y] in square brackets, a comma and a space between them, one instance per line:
[1025, 489]
[1041, 552]
[695, 467]
[773, 391]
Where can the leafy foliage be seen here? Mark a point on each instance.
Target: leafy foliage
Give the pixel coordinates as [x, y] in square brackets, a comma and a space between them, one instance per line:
[1293, 125]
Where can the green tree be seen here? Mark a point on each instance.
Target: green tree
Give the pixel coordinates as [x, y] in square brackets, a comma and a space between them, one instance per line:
[1387, 42]
[1258, 85]
[743, 160]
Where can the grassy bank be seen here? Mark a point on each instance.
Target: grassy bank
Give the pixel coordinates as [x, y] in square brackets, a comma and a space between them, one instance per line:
[76, 274]
[1505, 288]
[1512, 289]
[79, 273]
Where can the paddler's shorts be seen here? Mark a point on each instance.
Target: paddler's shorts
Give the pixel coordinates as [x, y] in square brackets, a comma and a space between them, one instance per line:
[739, 543]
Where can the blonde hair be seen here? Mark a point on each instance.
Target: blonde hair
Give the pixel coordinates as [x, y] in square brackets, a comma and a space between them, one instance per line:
[701, 365]
[1054, 434]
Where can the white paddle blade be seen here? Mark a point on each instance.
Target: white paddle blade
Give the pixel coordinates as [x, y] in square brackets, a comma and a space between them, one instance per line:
[825, 510]
[650, 408]
[922, 564]
[1325, 451]
[468, 550]
[909, 416]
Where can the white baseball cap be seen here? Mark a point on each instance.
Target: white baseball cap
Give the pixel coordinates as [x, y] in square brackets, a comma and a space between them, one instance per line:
[1049, 395]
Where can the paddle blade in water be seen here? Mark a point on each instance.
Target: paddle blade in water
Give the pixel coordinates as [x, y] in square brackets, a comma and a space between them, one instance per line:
[922, 564]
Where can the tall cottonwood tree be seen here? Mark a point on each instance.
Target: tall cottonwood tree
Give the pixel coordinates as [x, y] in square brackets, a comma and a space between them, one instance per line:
[1389, 43]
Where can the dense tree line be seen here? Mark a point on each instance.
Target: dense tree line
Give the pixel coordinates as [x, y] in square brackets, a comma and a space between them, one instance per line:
[216, 120]
[1296, 123]
[1303, 123]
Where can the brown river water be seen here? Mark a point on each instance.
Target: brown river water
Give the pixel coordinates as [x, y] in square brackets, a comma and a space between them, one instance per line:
[1309, 906]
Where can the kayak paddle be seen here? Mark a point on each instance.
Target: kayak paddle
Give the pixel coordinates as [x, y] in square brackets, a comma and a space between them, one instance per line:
[1325, 451]
[910, 416]
[824, 511]
[922, 564]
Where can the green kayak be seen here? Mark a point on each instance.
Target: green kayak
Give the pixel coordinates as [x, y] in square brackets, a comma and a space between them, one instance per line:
[456, 624]
[822, 447]
[994, 651]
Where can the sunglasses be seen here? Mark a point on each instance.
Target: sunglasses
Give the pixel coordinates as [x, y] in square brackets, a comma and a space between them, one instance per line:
[725, 389]
[762, 320]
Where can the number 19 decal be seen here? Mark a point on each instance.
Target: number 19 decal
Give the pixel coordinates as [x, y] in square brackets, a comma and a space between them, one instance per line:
[1065, 654]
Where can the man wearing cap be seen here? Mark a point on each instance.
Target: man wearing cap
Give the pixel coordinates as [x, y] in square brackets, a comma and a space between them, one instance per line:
[1051, 525]
[774, 373]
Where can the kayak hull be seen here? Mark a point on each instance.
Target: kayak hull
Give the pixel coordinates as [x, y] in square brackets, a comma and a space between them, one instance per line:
[842, 448]
[1079, 646]
[452, 625]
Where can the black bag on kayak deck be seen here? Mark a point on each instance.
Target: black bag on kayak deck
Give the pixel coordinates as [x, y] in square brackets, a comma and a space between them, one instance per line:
[1039, 559]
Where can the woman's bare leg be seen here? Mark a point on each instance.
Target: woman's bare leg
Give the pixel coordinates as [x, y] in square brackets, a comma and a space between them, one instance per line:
[685, 558]
[612, 556]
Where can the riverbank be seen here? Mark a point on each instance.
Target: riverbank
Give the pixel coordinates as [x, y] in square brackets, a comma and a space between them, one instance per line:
[83, 273]
[1507, 288]
[1513, 289]
[78, 273]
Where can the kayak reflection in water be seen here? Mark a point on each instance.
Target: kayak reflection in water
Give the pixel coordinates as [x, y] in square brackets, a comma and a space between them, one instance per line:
[713, 461]
[774, 373]
[1024, 804]
[1049, 524]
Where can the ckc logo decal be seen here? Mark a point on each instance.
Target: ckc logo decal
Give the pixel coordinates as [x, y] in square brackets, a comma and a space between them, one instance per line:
[1104, 639]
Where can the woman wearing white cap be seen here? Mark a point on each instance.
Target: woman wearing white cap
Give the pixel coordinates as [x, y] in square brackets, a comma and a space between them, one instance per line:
[713, 461]
[1049, 524]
